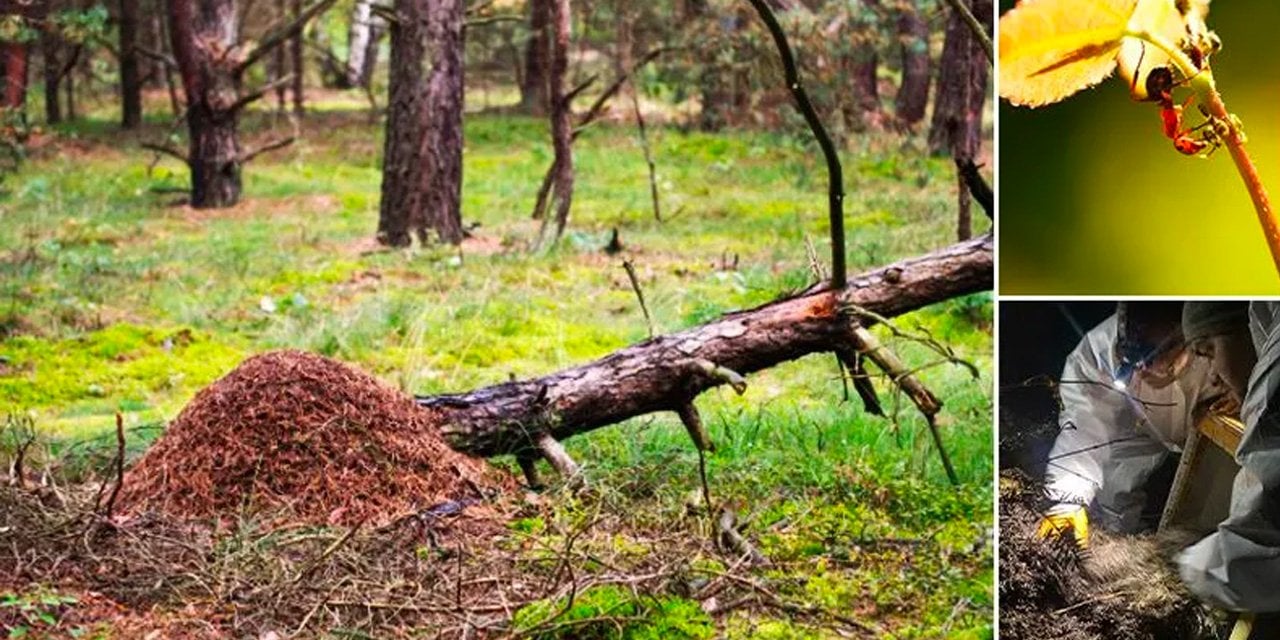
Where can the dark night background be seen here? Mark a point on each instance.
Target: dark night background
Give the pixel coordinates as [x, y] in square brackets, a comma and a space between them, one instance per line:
[1035, 339]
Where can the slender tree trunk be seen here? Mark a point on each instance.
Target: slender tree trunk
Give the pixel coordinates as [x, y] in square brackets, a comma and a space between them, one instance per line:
[359, 33]
[69, 84]
[154, 69]
[962, 83]
[200, 29]
[561, 127]
[533, 89]
[422, 164]
[913, 40]
[376, 32]
[50, 47]
[130, 82]
[363, 37]
[278, 66]
[625, 41]
[714, 93]
[296, 62]
[957, 112]
[863, 63]
[14, 95]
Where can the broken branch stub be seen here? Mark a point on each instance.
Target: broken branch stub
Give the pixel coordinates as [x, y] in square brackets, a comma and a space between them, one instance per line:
[929, 405]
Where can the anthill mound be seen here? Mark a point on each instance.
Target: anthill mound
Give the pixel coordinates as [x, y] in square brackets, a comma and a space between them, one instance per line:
[303, 438]
[1124, 587]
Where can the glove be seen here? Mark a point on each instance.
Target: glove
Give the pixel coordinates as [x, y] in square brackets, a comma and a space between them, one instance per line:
[1063, 518]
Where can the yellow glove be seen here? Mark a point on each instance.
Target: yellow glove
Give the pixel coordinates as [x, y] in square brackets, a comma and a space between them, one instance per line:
[1063, 518]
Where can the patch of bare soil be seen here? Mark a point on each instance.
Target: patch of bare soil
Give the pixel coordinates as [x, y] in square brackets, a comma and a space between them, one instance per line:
[308, 439]
[1122, 588]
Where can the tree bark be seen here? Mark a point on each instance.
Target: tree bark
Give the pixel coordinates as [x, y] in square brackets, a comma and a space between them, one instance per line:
[363, 37]
[296, 63]
[913, 41]
[957, 113]
[533, 89]
[962, 84]
[14, 95]
[561, 127]
[422, 165]
[130, 80]
[50, 48]
[665, 373]
[278, 66]
[201, 30]
[863, 63]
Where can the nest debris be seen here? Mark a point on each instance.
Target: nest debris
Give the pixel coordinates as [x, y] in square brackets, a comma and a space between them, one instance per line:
[1123, 587]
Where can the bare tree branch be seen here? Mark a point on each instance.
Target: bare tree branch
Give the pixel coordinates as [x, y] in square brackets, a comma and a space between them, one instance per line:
[165, 59]
[278, 34]
[835, 175]
[166, 150]
[248, 98]
[270, 146]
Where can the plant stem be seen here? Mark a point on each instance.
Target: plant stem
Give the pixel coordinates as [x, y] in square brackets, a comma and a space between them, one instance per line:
[1208, 96]
[1252, 181]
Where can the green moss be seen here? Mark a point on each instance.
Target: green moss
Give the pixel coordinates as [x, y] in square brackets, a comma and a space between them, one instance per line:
[119, 366]
[749, 629]
[612, 612]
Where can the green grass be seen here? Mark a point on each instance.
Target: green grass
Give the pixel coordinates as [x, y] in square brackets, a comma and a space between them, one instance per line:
[112, 300]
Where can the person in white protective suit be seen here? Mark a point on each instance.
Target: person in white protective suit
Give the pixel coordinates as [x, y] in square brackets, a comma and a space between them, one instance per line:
[1238, 567]
[1129, 392]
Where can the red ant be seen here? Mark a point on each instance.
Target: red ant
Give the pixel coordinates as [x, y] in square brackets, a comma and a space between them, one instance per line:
[1160, 86]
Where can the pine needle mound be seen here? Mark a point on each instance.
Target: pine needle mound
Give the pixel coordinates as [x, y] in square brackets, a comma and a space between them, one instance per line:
[303, 438]
[1123, 588]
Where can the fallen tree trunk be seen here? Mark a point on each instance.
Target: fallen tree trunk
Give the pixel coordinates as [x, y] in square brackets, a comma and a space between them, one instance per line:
[666, 373]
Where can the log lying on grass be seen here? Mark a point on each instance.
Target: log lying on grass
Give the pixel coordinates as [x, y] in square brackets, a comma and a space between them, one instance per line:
[666, 373]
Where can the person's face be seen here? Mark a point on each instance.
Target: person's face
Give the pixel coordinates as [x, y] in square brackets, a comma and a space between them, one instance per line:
[1231, 357]
[1166, 367]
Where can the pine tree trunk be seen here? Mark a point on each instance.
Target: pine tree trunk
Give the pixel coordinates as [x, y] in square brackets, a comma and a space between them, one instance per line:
[561, 127]
[130, 82]
[533, 90]
[14, 95]
[962, 84]
[913, 39]
[199, 30]
[863, 63]
[422, 163]
[50, 47]
[69, 84]
[214, 159]
[444, 106]
[296, 62]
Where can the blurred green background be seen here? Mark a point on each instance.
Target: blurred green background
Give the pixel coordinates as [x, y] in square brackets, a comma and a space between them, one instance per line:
[1095, 200]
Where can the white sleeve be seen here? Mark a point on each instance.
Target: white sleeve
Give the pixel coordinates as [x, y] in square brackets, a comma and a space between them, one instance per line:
[1088, 423]
[1238, 567]
[1102, 457]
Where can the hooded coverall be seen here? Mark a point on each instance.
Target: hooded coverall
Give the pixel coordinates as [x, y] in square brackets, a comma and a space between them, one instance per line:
[1113, 439]
[1238, 567]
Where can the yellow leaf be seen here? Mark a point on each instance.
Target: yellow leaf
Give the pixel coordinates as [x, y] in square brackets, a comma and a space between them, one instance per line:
[1050, 49]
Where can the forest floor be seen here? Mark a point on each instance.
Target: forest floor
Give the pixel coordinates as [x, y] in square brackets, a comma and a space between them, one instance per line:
[114, 298]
